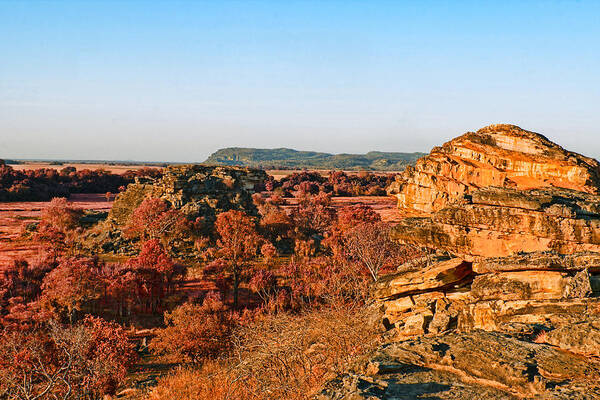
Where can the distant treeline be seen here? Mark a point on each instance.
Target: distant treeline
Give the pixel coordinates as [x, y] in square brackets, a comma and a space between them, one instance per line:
[292, 159]
[45, 183]
[337, 183]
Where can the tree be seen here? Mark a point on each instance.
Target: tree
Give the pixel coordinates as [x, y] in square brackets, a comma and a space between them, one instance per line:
[59, 218]
[353, 215]
[154, 219]
[155, 271]
[196, 332]
[347, 218]
[369, 243]
[314, 215]
[73, 285]
[238, 242]
[107, 356]
[84, 361]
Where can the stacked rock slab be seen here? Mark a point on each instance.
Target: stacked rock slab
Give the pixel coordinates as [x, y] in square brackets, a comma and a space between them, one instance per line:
[498, 155]
[496, 222]
[532, 253]
[508, 300]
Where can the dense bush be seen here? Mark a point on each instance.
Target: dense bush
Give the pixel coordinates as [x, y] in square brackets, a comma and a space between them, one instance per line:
[337, 183]
[85, 361]
[196, 332]
[279, 356]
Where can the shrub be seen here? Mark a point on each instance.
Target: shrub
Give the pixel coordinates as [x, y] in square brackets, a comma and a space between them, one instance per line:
[212, 381]
[196, 332]
[287, 356]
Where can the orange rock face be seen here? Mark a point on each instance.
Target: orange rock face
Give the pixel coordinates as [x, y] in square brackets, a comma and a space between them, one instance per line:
[517, 217]
[497, 155]
[497, 222]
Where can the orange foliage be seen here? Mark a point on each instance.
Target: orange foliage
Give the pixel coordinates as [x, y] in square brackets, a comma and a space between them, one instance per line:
[238, 242]
[196, 332]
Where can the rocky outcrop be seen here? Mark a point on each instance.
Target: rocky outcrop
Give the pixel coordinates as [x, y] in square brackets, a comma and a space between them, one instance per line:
[498, 155]
[197, 190]
[498, 222]
[487, 294]
[476, 365]
[508, 306]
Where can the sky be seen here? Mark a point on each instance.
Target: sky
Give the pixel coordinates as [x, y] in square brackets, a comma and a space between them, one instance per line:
[176, 80]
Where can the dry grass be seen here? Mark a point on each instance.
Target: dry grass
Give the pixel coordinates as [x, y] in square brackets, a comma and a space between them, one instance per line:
[280, 356]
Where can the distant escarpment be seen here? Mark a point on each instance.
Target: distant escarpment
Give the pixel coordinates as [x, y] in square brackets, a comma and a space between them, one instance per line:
[288, 158]
[507, 304]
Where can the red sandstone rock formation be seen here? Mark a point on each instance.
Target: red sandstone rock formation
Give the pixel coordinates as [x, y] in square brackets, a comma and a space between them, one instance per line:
[497, 155]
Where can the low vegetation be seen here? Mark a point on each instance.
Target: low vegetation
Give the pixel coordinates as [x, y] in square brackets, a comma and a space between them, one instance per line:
[279, 307]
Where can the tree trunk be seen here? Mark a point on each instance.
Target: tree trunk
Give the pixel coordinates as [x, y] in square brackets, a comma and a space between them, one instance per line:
[236, 284]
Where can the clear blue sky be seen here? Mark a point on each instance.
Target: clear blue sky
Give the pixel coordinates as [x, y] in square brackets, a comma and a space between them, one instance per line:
[176, 80]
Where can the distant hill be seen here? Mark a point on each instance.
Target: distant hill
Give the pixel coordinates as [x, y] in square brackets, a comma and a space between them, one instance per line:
[289, 158]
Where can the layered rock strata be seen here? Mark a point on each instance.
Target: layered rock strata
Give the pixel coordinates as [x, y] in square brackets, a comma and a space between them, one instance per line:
[497, 222]
[497, 155]
[508, 306]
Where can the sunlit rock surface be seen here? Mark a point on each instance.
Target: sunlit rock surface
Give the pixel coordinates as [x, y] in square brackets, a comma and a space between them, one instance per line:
[497, 155]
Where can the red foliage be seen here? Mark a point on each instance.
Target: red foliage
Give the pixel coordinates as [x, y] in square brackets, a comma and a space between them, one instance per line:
[46, 183]
[154, 271]
[263, 282]
[196, 332]
[110, 352]
[58, 220]
[238, 242]
[347, 218]
[154, 219]
[72, 286]
[268, 251]
[153, 256]
[338, 183]
[314, 215]
[84, 361]
[350, 216]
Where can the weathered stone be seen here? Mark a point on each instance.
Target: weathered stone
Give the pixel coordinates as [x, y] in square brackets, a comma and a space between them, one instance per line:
[582, 338]
[517, 285]
[497, 155]
[482, 230]
[579, 286]
[440, 275]
[506, 363]
[496, 314]
[196, 190]
[415, 325]
[545, 261]
[441, 318]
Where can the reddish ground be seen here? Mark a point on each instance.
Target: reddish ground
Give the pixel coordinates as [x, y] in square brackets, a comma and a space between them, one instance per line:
[14, 215]
[115, 169]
